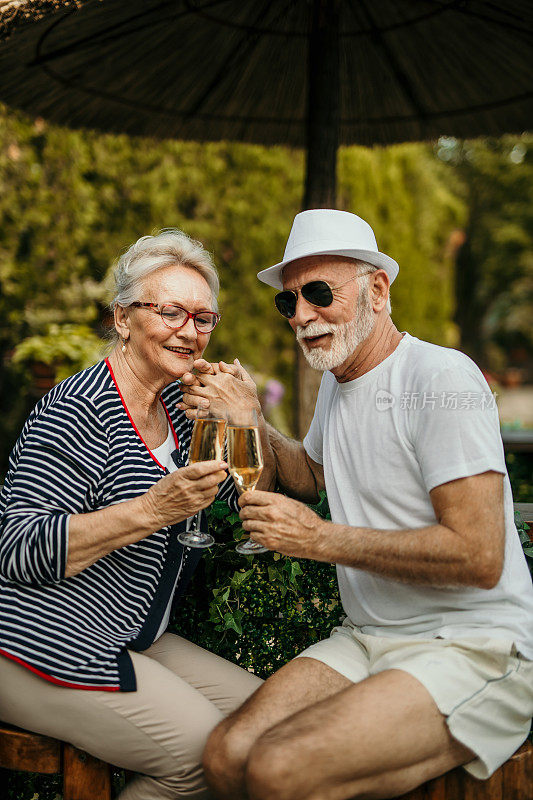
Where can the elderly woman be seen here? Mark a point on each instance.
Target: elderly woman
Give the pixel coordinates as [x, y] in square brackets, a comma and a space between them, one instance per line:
[90, 564]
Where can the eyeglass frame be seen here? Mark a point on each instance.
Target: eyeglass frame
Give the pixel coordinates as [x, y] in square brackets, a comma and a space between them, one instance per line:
[190, 315]
[319, 280]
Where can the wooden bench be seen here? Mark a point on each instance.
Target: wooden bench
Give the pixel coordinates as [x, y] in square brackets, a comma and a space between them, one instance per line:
[84, 777]
[513, 781]
[88, 778]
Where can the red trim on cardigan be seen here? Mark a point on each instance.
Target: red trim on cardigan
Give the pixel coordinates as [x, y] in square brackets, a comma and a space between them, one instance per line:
[176, 440]
[57, 680]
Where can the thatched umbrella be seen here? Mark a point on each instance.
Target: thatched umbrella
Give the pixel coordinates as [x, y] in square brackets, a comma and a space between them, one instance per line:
[306, 73]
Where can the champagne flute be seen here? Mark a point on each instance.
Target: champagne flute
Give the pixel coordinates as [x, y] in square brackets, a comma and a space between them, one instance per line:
[245, 461]
[207, 443]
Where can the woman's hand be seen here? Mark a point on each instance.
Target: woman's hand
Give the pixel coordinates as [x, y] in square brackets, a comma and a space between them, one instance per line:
[218, 387]
[184, 492]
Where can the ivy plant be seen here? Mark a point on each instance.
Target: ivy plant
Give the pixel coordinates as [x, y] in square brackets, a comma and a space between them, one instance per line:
[258, 611]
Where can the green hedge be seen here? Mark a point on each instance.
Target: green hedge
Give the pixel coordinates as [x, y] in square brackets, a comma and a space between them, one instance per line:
[258, 611]
[520, 469]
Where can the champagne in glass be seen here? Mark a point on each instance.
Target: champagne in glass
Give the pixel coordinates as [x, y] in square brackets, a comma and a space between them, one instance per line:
[245, 461]
[245, 457]
[207, 440]
[207, 443]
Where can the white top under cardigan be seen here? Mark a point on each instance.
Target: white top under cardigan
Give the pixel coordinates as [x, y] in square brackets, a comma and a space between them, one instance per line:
[163, 454]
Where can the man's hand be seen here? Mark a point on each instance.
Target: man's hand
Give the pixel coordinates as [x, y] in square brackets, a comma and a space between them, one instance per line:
[284, 525]
[218, 387]
[203, 367]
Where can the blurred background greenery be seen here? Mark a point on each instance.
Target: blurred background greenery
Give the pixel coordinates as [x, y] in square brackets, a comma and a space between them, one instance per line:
[456, 215]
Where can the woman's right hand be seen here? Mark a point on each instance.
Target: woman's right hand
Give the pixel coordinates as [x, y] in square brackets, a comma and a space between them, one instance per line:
[184, 492]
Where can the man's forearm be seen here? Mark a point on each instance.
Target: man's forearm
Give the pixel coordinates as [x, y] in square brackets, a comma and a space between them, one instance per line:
[465, 545]
[433, 556]
[268, 480]
[295, 477]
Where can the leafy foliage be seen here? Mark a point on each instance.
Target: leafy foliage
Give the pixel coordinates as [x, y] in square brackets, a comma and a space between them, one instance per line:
[30, 786]
[70, 201]
[494, 276]
[68, 348]
[520, 469]
[257, 611]
[414, 206]
[525, 539]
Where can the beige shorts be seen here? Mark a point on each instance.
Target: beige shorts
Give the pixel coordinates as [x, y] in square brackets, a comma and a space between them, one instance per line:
[482, 687]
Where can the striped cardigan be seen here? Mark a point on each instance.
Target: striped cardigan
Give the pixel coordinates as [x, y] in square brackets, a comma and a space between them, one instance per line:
[80, 451]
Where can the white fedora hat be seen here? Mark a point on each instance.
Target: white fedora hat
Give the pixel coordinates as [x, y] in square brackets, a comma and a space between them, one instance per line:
[325, 231]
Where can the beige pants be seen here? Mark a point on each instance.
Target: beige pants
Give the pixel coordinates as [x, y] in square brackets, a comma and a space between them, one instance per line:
[160, 730]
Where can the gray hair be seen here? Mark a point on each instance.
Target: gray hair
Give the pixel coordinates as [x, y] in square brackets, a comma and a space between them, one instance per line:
[149, 253]
[362, 267]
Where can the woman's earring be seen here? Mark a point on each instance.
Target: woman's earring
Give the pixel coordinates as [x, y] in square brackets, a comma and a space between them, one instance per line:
[123, 345]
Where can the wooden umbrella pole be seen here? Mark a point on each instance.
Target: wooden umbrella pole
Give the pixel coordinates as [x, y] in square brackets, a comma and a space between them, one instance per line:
[323, 124]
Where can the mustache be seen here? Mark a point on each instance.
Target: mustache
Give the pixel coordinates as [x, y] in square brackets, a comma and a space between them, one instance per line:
[315, 329]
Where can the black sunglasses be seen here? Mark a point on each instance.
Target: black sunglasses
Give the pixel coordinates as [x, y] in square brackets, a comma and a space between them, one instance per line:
[318, 293]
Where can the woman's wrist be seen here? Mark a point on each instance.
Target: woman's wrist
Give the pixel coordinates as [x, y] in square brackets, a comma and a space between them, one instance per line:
[97, 533]
[146, 513]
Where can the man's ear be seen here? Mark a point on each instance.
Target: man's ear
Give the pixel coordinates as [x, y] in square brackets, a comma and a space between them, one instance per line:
[379, 289]
[121, 317]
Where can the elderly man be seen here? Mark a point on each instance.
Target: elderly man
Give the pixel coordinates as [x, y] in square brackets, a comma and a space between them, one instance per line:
[431, 667]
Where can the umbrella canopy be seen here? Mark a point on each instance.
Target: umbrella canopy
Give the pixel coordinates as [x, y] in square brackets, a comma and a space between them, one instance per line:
[227, 69]
[313, 73]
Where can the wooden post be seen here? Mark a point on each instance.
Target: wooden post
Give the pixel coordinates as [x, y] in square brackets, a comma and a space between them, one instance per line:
[84, 777]
[435, 790]
[518, 774]
[488, 790]
[323, 123]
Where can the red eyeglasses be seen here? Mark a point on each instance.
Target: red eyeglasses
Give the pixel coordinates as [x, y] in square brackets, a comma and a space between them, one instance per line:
[176, 317]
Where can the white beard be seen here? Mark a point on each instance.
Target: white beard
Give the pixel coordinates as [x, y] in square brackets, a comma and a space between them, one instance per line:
[346, 336]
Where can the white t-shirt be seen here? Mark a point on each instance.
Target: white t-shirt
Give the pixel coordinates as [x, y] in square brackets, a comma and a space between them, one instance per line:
[163, 453]
[422, 417]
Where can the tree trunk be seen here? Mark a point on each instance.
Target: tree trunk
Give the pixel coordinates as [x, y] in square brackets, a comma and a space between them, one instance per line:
[469, 309]
[323, 123]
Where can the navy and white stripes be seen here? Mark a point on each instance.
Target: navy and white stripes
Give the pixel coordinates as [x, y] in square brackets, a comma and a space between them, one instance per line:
[80, 452]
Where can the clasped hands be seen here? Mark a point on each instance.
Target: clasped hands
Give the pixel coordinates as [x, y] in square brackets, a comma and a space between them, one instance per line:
[218, 387]
[274, 520]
